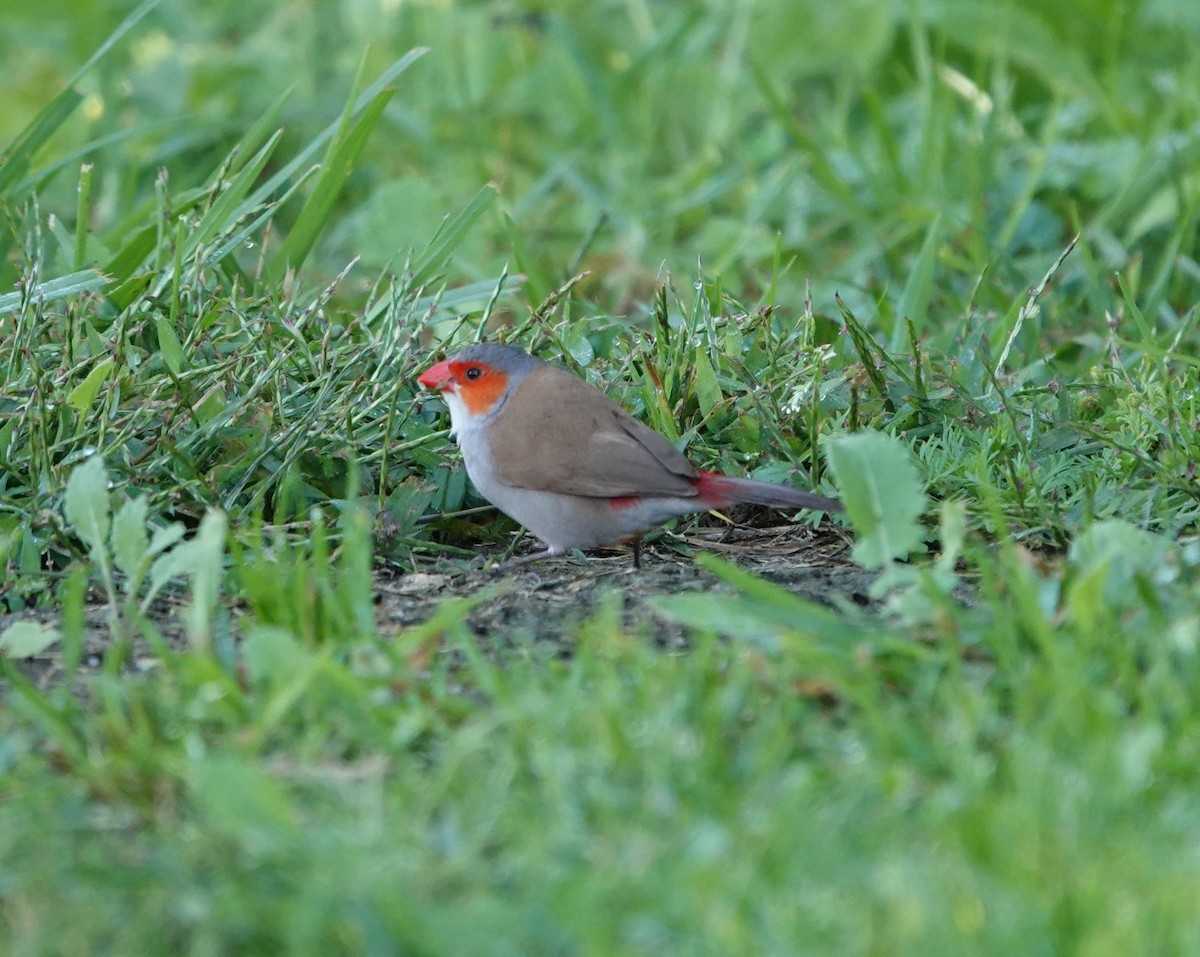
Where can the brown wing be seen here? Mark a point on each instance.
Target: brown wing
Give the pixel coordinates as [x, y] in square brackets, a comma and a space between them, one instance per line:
[558, 434]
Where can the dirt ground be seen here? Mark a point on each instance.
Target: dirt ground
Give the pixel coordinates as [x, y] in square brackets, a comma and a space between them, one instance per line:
[544, 602]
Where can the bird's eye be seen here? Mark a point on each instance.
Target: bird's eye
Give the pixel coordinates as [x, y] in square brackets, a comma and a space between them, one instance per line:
[473, 373]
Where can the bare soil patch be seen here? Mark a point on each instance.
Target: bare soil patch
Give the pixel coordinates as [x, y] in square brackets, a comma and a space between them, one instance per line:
[547, 601]
[543, 604]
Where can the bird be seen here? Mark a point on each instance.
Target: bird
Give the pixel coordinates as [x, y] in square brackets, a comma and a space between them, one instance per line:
[568, 463]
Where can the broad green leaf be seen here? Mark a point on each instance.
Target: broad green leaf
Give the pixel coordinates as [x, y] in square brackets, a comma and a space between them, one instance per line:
[578, 346]
[1115, 553]
[953, 533]
[201, 559]
[168, 343]
[882, 492]
[86, 504]
[212, 405]
[208, 569]
[83, 395]
[129, 539]
[164, 538]
[746, 434]
[74, 618]
[1088, 600]
[26, 639]
[708, 391]
[173, 564]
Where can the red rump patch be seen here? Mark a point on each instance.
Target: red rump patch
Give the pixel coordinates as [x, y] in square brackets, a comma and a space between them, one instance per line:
[709, 489]
[623, 501]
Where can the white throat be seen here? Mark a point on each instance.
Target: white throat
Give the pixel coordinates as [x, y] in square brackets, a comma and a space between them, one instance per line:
[460, 418]
[462, 421]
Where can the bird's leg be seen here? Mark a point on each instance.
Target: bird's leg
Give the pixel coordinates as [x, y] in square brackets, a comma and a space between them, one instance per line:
[510, 563]
[637, 551]
[517, 539]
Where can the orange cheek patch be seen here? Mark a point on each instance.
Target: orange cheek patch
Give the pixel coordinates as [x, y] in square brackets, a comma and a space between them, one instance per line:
[479, 395]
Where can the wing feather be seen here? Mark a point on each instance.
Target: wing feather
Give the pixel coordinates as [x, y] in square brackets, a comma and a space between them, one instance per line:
[558, 434]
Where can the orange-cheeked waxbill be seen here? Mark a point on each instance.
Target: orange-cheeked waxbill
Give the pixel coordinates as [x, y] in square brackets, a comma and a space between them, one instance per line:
[564, 460]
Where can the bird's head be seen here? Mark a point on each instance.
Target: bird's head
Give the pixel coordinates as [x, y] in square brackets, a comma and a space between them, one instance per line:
[478, 381]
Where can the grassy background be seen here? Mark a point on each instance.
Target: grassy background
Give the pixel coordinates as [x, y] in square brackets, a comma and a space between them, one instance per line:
[795, 219]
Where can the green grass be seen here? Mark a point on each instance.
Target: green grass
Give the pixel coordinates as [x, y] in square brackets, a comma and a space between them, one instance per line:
[230, 241]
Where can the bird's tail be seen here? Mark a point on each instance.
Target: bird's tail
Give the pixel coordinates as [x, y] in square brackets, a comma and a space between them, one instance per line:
[721, 491]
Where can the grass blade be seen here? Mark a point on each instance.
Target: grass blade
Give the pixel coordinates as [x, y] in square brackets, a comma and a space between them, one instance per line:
[86, 280]
[450, 235]
[15, 160]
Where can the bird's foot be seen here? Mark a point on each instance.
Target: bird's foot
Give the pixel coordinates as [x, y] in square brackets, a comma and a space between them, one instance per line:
[519, 560]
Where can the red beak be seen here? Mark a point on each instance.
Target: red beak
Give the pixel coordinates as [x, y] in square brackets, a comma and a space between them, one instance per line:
[437, 377]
